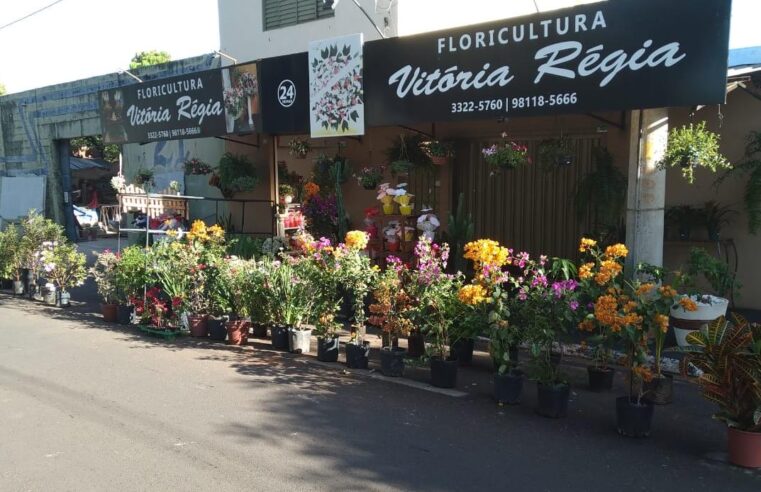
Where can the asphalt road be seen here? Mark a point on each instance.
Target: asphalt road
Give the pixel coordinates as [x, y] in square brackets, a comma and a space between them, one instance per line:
[89, 406]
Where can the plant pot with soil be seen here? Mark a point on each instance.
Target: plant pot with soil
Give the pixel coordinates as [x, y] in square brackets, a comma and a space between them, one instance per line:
[508, 387]
[443, 372]
[279, 336]
[357, 354]
[552, 399]
[124, 314]
[600, 378]
[18, 288]
[299, 339]
[199, 325]
[237, 332]
[259, 330]
[327, 348]
[462, 350]
[217, 329]
[109, 312]
[634, 416]
[392, 361]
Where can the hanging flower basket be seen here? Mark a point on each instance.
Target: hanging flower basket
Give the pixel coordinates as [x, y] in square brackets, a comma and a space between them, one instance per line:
[508, 155]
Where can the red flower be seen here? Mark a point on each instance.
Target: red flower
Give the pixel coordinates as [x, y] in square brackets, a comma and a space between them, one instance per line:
[176, 302]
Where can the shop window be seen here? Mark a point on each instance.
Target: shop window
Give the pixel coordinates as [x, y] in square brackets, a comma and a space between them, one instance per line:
[283, 13]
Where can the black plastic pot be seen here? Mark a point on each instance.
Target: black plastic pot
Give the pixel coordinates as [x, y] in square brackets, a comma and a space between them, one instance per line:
[259, 330]
[600, 379]
[357, 356]
[327, 349]
[555, 359]
[514, 354]
[462, 350]
[508, 387]
[632, 419]
[392, 361]
[217, 329]
[443, 372]
[552, 400]
[124, 314]
[660, 390]
[6, 284]
[415, 345]
[280, 337]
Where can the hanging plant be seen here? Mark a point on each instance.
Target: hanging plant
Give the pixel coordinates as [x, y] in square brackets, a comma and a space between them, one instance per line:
[369, 177]
[506, 155]
[144, 176]
[408, 153]
[690, 147]
[601, 196]
[555, 152]
[751, 166]
[235, 175]
[299, 147]
[439, 152]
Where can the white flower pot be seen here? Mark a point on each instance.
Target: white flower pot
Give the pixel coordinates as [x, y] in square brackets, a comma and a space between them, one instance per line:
[299, 340]
[686, 322]
[18, 287]
[65, 299]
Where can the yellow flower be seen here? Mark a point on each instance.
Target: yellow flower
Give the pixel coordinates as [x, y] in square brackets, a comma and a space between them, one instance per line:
[616, 251]
[586, 244]
[585, 271]
[486, 252]
[472, 294]
[198, 231]
[356, 240]
[216, 231]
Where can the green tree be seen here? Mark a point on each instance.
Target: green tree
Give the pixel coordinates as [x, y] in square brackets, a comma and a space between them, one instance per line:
[148, 58]
[95, 148]
[2, 89]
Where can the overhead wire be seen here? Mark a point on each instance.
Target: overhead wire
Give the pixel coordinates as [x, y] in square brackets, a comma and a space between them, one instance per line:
[30, 14]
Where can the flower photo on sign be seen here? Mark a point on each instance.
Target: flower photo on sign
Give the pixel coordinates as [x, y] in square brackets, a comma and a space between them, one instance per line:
[336, 103]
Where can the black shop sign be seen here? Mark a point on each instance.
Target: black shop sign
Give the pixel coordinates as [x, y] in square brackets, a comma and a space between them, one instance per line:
[285, 94]
[614, 55]
[187, 106]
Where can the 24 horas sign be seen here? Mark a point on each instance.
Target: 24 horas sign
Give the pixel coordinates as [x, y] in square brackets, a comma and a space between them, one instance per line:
[614, 55]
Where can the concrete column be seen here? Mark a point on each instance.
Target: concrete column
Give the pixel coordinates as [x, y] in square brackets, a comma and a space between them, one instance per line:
[647, 187]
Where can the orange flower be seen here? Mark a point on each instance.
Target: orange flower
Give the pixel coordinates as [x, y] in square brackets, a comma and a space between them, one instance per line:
[616, 251]
[311, 189]
[644, 373]
[688, 304]
[644, 289]
[662, 321]
[585, 271]
[609, 269]
[587, 325]
[667, 291]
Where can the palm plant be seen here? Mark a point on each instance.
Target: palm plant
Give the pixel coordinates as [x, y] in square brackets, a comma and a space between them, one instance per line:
[729, 355]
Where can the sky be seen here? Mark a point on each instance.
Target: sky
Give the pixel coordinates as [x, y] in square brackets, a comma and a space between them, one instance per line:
[76, 39]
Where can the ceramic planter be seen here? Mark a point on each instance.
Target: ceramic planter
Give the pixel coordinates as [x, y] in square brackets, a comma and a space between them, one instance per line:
[462, 350]
[508, 387]
[198, 325]
[443, 372]
[217, 329]
[633, 419]
[299, 340]
[237, 332]
[279, 337]
[357, 356]
[552, 400]
[600, 379]
[392, 361]
[327, 349]
[744, 448]
[685, 322]
[109, 312]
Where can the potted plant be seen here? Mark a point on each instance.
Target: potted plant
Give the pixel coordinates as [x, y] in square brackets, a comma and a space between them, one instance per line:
[598, 272]
[299, 147]
[65, 266]
[291, 302]
[286, 193]
[440, 152]
[196, 167]
[238, 282]
[130, 279]
[369, 177]
[695, 309]
[174, 187]
[750, 167]
[408, 152]
[506, 155]
[685, 217]
[356, 275]
[104, 273]
[236, 174]
[554, 153]
[390, 313]
[218, 292]
[690, 147]
[197, 301]
[600, 196]
[715, 217]
[36, 230]
[144, 178]
[11, 257]
[459, 232]
[729, 356]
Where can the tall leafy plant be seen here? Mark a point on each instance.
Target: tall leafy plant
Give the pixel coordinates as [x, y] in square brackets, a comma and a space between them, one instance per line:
[690, 147]
[236, 174]
[601, 195]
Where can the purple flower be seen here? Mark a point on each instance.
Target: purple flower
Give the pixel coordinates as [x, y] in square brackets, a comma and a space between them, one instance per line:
[574, 305]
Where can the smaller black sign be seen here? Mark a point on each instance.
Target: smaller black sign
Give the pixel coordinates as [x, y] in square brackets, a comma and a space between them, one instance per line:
[285, 94]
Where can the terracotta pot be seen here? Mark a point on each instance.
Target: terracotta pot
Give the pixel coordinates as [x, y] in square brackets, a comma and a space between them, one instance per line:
[109, 312]
[199, 325]
[237, 332]
[744, 448]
